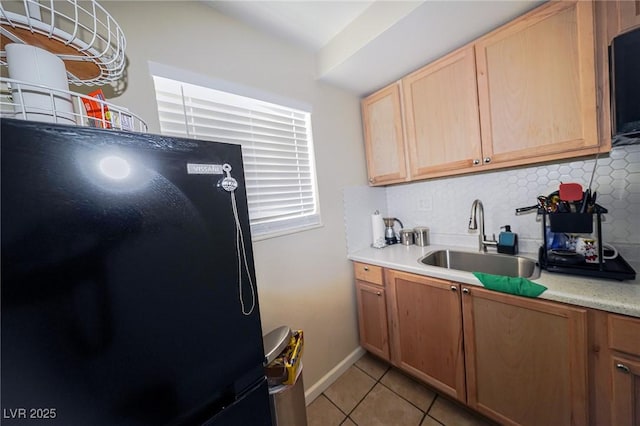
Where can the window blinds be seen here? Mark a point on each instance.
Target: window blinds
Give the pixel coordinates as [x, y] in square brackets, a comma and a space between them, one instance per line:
[276, 147]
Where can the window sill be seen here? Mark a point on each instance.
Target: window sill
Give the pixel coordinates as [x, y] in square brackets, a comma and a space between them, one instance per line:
[281, 233]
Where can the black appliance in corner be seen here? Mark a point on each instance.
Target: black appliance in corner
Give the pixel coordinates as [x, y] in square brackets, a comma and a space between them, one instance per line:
[128, 286]
[624, 62]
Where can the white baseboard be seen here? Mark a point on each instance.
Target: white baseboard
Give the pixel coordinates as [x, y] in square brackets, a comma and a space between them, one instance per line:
[327, 380]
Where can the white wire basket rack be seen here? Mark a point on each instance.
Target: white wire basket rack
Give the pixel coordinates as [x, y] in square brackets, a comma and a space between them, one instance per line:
[81, 33]
[64, 107]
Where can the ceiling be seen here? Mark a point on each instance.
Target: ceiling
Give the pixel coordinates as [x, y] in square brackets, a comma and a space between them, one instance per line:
[364, 45]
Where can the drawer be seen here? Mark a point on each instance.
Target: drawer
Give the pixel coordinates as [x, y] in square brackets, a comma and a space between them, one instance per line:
[369, 273]
[624, 334]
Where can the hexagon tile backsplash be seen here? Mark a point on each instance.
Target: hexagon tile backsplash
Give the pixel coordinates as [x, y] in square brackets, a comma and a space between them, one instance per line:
[444, 205]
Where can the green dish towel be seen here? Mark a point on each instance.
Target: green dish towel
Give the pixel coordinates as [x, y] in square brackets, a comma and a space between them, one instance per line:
[513, 285]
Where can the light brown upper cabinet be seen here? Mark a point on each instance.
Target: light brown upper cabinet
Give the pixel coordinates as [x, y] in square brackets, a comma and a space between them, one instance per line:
[522, 94]
[536, 86]
[383, 136]
[441, 111]
[627, 14]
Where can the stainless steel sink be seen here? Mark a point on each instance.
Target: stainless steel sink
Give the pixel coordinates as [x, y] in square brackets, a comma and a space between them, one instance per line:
[489, 263]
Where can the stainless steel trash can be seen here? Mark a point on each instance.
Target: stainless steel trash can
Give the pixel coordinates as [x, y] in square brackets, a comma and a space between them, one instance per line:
[287, 401]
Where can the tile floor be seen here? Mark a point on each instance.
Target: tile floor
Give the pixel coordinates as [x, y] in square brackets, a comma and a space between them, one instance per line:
[371, 393]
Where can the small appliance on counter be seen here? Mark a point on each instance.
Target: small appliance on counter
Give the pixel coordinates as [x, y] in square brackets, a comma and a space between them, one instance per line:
[421, 236]
[406, 236]
[390, 235]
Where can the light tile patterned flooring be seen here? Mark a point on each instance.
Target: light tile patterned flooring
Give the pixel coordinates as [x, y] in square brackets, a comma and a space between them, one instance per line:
[371, 393]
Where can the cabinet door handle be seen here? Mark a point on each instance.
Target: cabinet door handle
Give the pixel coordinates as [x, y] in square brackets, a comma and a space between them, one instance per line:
[370, 180]
[366, 268]
[379, 293]
[487, 160]
[476, 162]
[623, 368]
[454, 288]
[465, 290]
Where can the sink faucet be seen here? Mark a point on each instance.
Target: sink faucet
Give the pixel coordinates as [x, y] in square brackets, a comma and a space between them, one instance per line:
[477, 208]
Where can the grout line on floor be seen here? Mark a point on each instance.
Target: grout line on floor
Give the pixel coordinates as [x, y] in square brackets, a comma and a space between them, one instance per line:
[334, 404]
[389, 368]
[433, 401]
[345, 419]
[434, 419]
[377, 380]
[362, 399]
[405, 399]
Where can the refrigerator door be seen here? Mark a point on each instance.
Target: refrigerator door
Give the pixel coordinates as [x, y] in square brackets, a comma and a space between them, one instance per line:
[252, 409]
[128, 296]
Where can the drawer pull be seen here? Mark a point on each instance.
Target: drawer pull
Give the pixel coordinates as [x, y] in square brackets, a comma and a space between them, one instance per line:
[465, 290]
[366, 268]
[623, 368]
[454, 288]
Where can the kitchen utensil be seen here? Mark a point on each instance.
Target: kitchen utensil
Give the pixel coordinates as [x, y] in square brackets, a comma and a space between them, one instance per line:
[569, 193]
[406, 236]
[421, 234]
[542, 201]
[585, 201]
[526, 209]
[389, 233]
[588, 200]
[591, 203]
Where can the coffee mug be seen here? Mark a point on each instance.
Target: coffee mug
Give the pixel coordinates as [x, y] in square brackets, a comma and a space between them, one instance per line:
[588, 247]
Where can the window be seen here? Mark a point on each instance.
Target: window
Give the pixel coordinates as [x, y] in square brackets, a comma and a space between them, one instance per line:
[276, 146]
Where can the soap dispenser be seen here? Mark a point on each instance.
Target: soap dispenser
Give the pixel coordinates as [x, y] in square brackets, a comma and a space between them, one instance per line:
[507, 241]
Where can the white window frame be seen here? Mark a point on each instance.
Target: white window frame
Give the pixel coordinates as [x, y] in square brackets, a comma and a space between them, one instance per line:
[300, 217]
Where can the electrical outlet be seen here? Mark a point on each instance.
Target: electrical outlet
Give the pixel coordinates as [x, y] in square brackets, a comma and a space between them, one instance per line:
[425, 204]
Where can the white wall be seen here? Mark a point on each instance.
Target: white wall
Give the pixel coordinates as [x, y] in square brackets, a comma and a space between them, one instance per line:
[304, 279]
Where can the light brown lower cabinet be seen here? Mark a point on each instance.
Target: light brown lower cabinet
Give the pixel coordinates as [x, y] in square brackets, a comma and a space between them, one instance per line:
[625, 374]
[526, 359]
[372, 318]
[518, 361]
[426, 327]
[624, 362]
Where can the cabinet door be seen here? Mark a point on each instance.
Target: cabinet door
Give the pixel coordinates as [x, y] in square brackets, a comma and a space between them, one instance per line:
[383, 136]
[426, 329]
[372, 319]
[526, 359]
[628, 14]
[441, 110]
[536, 86]
[626, 391]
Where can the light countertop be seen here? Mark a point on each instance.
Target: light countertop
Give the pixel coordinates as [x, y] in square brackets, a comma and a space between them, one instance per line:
[621, 297]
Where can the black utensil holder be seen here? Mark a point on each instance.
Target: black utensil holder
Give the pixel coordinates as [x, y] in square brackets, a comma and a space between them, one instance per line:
[577, 223]
[582, 223]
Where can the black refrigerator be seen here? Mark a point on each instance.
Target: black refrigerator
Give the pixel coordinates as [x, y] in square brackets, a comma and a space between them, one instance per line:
[128, 286]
